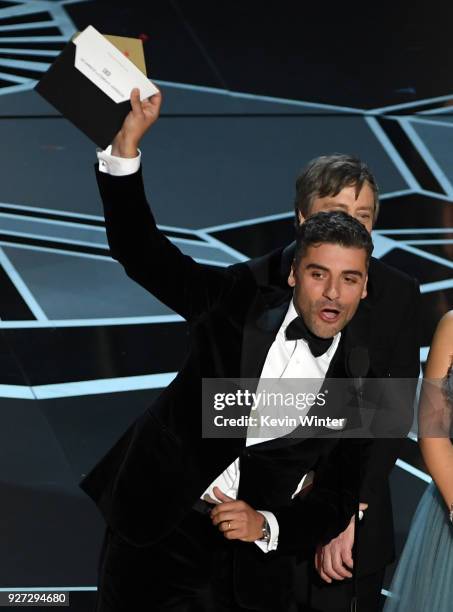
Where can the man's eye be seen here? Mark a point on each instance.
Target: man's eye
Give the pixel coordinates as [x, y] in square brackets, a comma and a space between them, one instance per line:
[350, 279]
[365, 216]
[316, 274]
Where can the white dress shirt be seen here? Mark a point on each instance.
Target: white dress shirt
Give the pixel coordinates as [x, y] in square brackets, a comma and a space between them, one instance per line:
[285, 359]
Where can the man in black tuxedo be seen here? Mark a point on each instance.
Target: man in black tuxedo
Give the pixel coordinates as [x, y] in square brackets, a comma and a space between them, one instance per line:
[390, 314]
[166, 548]
[378, 324]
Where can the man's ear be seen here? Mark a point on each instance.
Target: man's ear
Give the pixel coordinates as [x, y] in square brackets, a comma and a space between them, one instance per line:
[300, 217]
[292, 276]
[364, 291]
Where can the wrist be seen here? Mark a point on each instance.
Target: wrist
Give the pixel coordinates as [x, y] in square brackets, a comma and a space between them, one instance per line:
[124, 147]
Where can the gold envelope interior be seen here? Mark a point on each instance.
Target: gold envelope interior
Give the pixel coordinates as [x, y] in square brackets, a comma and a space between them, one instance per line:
[132, 48]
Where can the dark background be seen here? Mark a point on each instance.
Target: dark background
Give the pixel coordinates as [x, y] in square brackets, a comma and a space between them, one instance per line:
[252, 91]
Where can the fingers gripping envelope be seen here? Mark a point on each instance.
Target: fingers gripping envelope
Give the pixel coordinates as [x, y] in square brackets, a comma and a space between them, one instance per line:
[91, 80]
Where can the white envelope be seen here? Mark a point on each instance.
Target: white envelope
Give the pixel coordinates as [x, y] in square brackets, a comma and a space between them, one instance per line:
[105, 66]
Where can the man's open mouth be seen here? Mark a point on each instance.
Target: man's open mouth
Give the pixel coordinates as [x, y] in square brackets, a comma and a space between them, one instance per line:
[329, 315]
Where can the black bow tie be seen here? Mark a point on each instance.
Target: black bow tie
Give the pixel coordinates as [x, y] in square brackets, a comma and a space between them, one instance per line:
[297, 329]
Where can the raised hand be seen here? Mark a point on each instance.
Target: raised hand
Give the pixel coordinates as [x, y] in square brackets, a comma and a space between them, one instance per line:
[141, 117]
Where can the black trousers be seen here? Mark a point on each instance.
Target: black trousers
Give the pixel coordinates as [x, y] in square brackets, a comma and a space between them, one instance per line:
[191, 570]
[315, 595]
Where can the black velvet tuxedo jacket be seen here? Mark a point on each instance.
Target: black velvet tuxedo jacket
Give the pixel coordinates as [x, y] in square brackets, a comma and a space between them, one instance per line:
[150, 479]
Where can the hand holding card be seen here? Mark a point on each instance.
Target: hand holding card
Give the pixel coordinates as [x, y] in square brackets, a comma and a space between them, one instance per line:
[142, 116]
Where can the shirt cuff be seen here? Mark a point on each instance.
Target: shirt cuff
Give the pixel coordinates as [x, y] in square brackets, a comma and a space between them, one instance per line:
[117, 166]
[274, 531]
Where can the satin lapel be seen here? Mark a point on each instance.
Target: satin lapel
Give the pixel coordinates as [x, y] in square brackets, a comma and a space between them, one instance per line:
[261, 326]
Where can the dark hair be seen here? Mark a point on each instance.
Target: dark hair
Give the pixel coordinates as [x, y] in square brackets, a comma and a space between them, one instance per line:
[332, 227]
[328, 175]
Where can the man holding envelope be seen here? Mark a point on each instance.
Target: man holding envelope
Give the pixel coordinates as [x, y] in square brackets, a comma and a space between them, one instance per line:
[168, 546]
[384, 325]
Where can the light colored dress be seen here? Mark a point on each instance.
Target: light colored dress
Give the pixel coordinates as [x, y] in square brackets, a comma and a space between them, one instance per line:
[423, 581]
